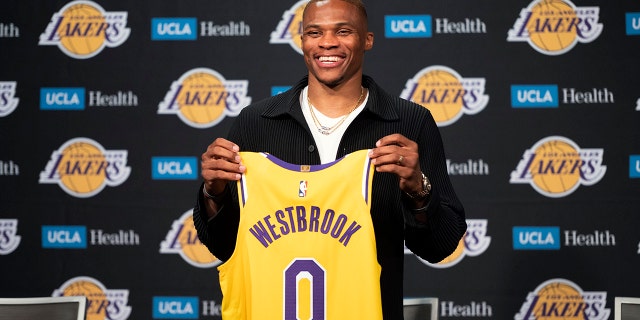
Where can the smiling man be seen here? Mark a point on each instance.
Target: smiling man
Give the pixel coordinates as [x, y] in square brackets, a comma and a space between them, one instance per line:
[327, 119]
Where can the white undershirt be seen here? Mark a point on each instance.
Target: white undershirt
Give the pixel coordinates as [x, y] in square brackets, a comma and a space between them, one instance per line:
[328, 144]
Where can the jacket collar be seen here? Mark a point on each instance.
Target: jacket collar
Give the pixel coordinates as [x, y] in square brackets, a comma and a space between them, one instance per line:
[288, 102]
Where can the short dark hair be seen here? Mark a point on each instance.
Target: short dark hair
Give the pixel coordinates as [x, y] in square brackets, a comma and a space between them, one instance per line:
[357, 3]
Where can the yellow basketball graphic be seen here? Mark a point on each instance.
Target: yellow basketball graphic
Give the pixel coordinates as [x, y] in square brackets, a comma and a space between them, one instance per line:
[542, 33]
[430, 90]
[556, 151]
[558, 293]
[72, 33]
[296, 28]
[457, 253]
[192, 248]
[202, 98]
[73, 167]
[97, 299]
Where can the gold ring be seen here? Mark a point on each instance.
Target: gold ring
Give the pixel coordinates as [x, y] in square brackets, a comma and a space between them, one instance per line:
[400, 159]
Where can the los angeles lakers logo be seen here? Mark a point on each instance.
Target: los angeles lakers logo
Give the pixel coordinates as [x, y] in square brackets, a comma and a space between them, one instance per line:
[81, 29]
[474, 243]
[201, 98]
[561, 299]
[102, 303]
[556, 166]
[553, 27]
[82, 168]
[446, 94]
[289, 29]
[9, 238]
[183, 239]
[8, 100]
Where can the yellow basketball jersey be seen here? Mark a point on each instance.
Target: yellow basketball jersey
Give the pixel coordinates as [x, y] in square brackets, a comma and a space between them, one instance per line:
[306, 246]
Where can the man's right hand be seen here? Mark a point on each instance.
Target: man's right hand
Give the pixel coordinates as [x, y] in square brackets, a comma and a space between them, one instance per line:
[219, 164]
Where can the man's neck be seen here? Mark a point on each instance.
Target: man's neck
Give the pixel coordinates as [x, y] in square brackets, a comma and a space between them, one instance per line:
[335, 101]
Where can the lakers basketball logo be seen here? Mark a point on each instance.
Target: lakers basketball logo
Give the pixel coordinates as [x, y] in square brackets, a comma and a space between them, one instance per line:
[8, 100]
[9, 238]
[102, 303]
[289, 29]
[82, 168]
[201, 98]
[556, 166]
[81, 29]
[553, 27]
[474, 243]
[446, 94]
[183, 239]
[561, 299]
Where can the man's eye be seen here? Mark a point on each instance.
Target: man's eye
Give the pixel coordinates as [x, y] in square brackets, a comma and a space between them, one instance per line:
[313, 34]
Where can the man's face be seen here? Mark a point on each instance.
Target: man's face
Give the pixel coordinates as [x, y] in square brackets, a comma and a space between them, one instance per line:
[334, 40]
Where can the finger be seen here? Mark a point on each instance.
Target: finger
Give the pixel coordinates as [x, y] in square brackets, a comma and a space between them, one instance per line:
[393, 139]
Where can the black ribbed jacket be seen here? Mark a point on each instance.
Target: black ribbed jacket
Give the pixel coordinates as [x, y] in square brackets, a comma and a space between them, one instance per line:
[276, 125]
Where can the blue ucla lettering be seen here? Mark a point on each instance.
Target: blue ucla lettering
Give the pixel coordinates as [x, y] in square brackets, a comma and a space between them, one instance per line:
[408, 26]
[635, 23]
[62, 98]
[173, 167]
[173, 28]
[63, 236]
[307, 219]
[536, 238]
[175, 307]
[534, 96]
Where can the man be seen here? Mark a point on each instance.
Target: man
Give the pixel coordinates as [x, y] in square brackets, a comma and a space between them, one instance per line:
[332, 112]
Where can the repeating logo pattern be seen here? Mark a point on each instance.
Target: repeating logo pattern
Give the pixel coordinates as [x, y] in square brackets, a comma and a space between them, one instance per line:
[82, 29]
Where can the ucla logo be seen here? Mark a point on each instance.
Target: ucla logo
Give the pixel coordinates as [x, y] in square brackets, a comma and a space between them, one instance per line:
[81, 29]
[82, 168]
[9, 238]
[534, 96]
[64, 237]
[289, 29]
[174, 168]
[62, 98]
[553, 27]
[201, 98]
[183, 239]
[563, 299]
[174, 29]
[536, 238]
[102, 303]
[8, 100]
[632, 20]
[634, 166]
[175, 307]
[473, 243]
[446, 94]
[407, 26]
[555, 167]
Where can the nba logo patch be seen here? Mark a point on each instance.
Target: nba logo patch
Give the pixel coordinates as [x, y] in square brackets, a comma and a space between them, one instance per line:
[302, 190]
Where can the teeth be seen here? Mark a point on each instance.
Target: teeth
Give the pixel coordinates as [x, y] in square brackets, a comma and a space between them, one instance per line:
[328, 59]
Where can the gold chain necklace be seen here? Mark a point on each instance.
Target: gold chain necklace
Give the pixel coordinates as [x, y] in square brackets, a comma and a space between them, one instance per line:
[329, 130]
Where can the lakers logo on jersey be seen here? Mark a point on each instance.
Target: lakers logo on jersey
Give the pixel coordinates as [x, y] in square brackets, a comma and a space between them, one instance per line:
[554, 27]
[556, 166]
[305, 247]
[289, 29]
[446, 94]
[82, 168]
[201, 98]
[81, 29]
[561, 299]
[182, 239]
[102, 303]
